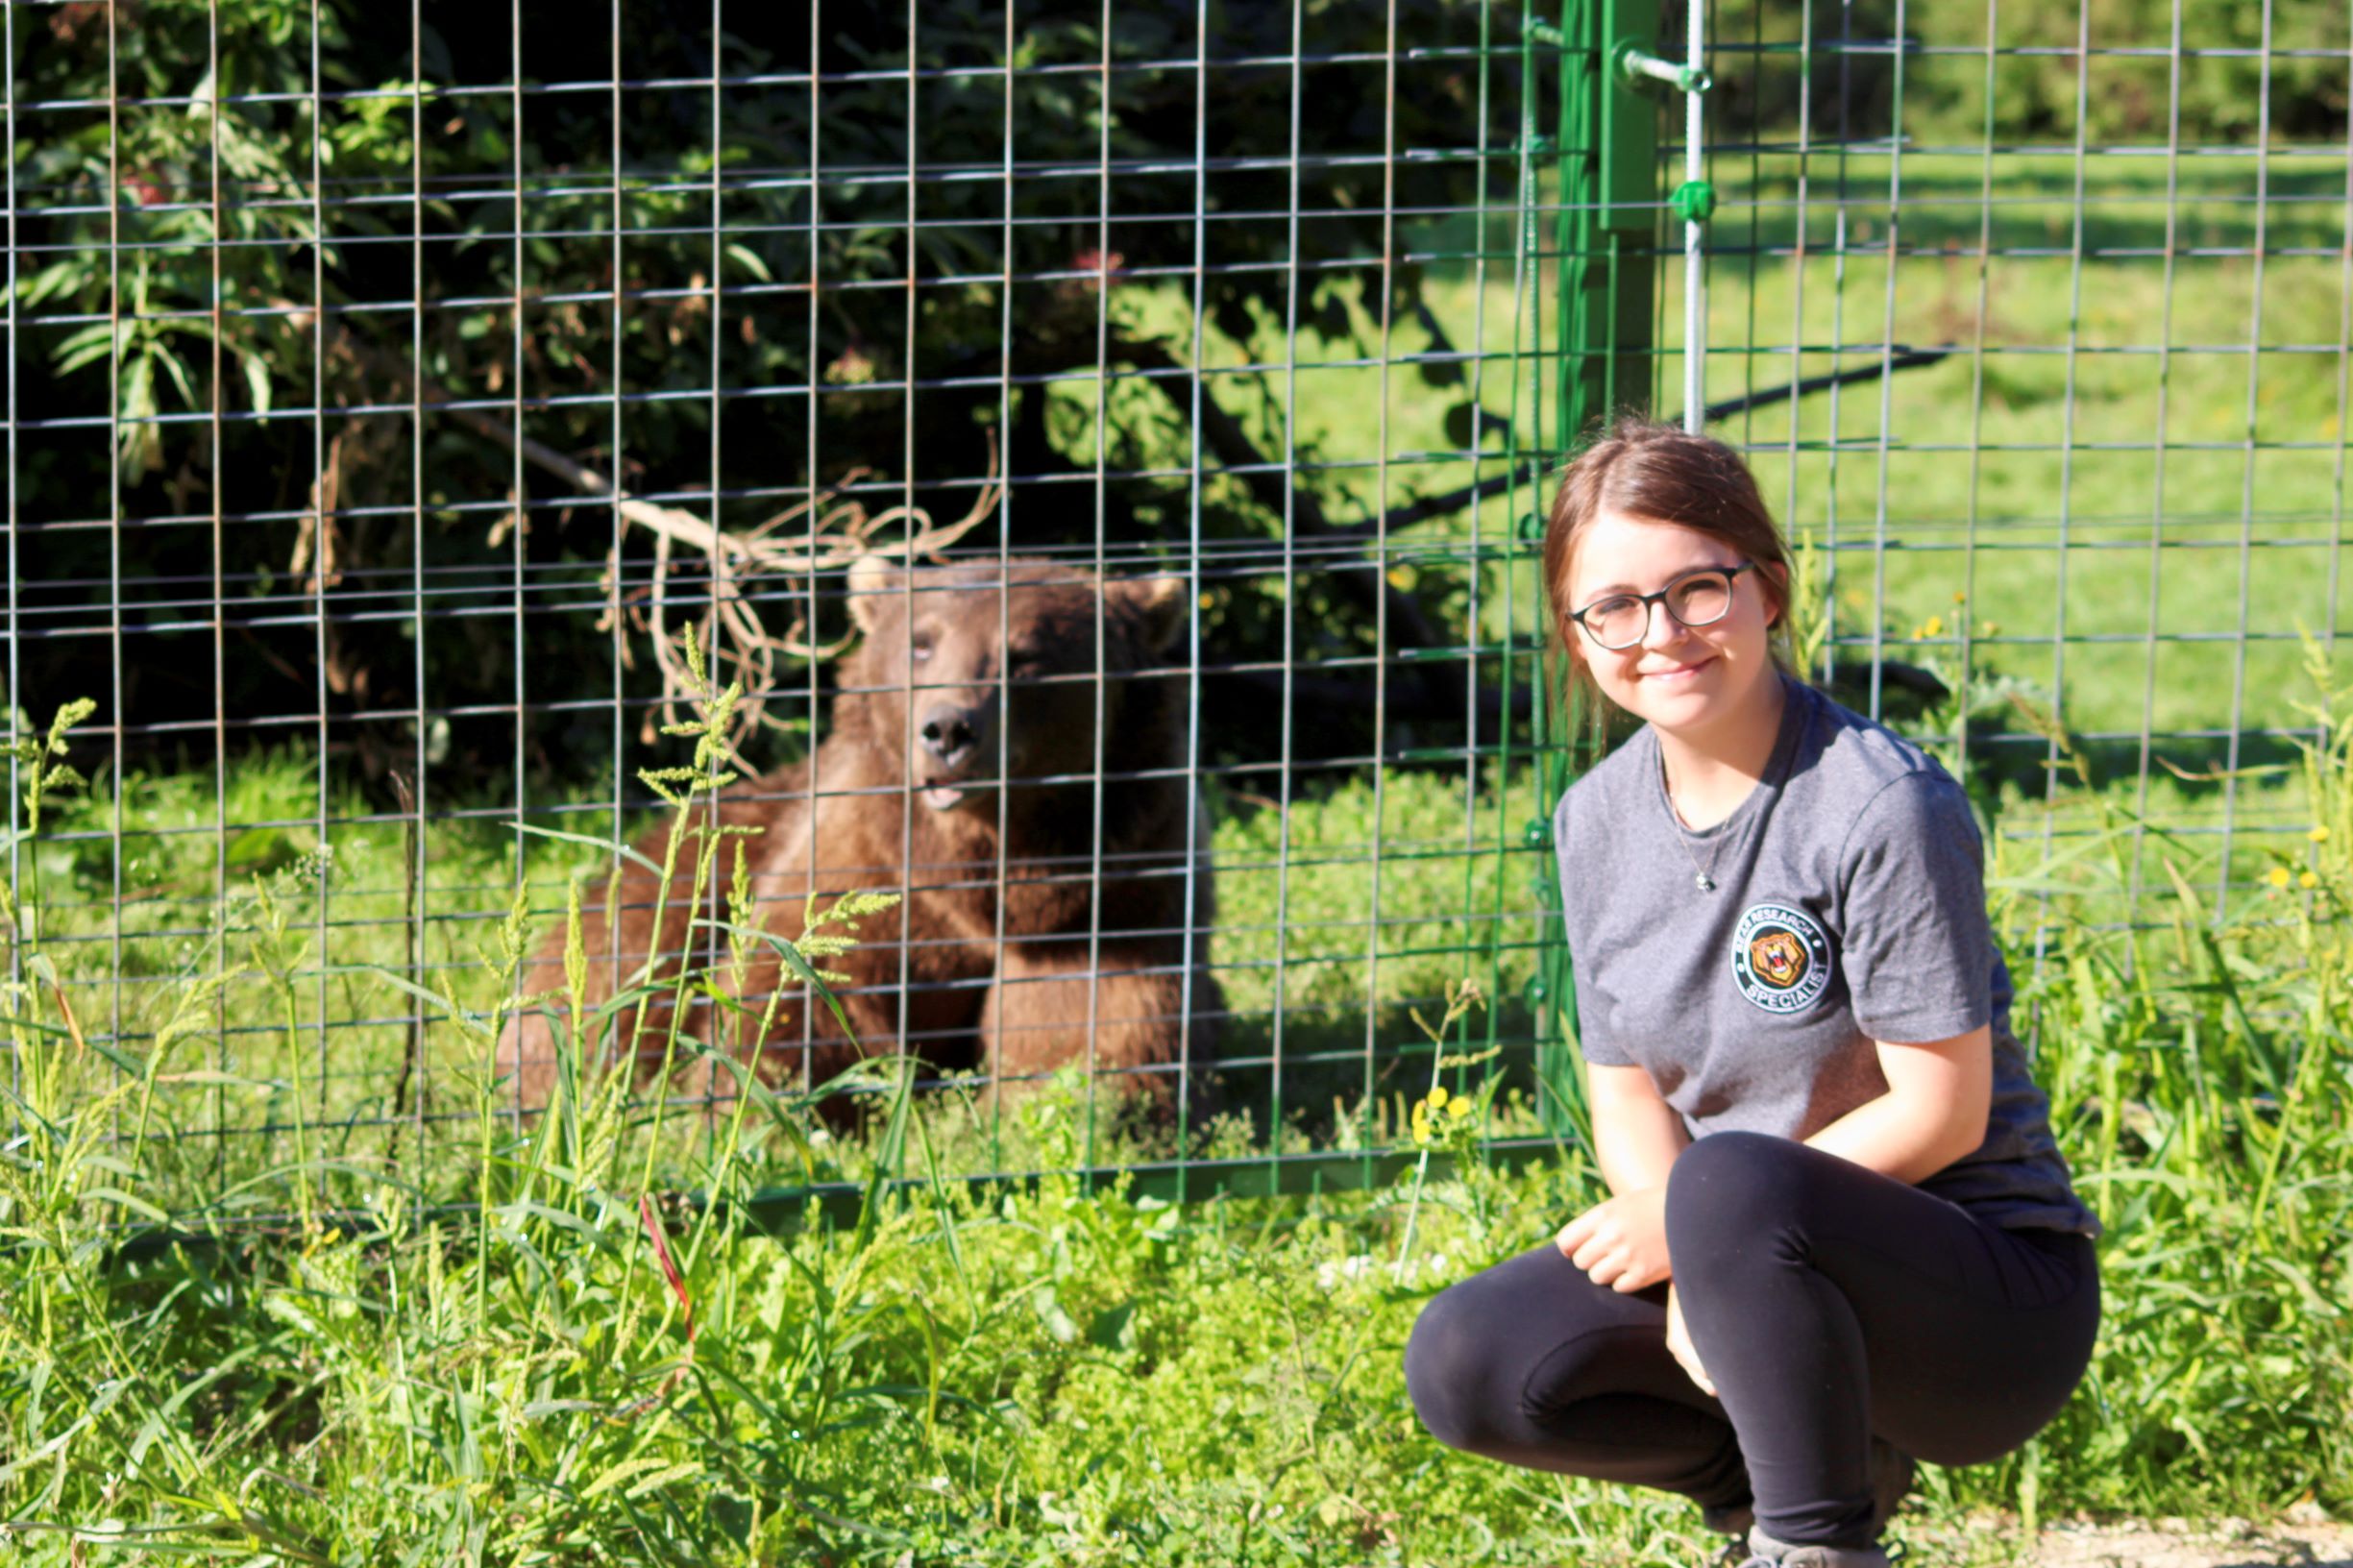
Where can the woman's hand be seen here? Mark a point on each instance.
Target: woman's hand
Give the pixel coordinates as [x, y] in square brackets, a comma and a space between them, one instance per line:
[1621, 1244]
[1678, 1344]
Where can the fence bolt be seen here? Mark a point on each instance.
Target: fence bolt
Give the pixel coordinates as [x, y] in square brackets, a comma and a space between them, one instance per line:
[1537, 832]
[1540, 31]
[1635, 63]
[1694, 201]
[1536, 990]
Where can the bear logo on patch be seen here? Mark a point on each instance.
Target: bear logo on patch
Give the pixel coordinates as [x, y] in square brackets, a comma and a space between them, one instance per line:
[1780, 958]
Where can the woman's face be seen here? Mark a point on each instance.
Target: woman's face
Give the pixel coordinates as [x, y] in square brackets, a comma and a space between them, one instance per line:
[1677, 677]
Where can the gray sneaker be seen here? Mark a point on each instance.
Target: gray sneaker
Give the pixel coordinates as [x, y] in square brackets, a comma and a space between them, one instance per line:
[1891, 1478]
[1764, 1551]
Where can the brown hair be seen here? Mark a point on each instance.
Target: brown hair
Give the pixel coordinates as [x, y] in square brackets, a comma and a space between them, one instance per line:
[1641, 468]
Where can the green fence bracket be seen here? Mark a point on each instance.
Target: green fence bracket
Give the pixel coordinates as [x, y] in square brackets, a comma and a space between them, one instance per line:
[1694, 201]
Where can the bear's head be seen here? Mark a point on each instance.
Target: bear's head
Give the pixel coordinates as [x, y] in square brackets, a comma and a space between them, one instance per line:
[961, 666]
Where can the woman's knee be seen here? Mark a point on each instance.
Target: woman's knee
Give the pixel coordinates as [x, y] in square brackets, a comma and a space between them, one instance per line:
[1448, 1370]
[1730, 1191]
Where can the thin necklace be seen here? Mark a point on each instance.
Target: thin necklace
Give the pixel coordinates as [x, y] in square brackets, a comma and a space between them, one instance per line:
[1700, 872]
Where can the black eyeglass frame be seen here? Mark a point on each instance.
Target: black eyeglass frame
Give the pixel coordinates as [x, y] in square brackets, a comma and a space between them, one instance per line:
[1731, 582]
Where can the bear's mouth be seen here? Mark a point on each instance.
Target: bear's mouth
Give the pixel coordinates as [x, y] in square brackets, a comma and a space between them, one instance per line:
[948, 793]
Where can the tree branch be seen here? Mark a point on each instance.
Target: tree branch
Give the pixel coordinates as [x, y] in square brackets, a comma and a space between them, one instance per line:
[1901, 359]
[1495, 484]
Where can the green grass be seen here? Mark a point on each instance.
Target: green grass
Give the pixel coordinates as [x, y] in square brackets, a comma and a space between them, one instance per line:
[1049, 1372]
[1060, 1376]
[2009, 520]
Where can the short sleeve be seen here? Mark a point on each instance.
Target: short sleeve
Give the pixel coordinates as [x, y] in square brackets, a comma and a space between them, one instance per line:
[1593, 1037]
[1917, 949]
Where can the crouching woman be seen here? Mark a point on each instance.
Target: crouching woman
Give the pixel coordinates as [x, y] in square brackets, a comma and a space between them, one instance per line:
[1839, 1234]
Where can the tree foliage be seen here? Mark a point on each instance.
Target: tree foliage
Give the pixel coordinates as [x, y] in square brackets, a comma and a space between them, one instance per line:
[433, 254]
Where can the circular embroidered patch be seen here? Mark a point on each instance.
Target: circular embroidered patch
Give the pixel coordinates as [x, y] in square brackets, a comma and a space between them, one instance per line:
[1780, 958]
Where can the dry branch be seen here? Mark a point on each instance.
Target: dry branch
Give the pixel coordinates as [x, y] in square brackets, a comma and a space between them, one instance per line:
[829, 531]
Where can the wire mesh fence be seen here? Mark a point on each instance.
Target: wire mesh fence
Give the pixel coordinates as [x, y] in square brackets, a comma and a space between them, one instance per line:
[396, 395]
[2096, 489]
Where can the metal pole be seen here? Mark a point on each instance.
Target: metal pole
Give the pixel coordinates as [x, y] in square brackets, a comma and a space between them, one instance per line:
[1694, 282]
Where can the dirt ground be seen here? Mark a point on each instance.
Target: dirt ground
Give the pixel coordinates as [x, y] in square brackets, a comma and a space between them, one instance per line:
[2306, 1537]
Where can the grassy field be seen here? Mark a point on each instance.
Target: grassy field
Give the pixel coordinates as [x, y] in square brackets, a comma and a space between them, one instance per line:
[1043, 1373]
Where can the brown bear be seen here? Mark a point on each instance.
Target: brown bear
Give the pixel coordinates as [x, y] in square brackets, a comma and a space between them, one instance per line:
[1061, 938]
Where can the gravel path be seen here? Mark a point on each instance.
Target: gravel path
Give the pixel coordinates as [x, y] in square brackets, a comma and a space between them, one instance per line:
[2304, 1538]
[2221, 1544]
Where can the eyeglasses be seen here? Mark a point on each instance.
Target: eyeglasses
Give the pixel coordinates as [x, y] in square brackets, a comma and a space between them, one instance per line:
[1696, 598]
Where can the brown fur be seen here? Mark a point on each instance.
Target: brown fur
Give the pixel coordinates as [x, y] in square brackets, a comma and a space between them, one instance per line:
[1017, 1013]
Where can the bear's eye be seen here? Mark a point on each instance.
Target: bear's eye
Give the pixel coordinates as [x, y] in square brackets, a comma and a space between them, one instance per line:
[919, 648]
[1024, 667]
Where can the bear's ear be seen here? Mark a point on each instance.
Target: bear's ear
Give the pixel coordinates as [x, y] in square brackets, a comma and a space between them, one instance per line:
[873, 578]
[1159, 604]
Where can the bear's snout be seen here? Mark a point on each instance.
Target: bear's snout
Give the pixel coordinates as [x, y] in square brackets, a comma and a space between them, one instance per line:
[950, 733]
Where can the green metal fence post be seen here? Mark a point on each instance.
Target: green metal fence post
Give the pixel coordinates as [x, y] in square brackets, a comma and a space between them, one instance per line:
[1604, 237]
[1609, 215]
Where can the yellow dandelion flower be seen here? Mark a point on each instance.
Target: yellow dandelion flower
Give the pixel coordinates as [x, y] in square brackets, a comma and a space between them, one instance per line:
[1402, 576]
[2307, 880]
[1209, 602]
[1438, 1097]
[1960, 597]
[1422, 1133]
[2320, 834]
[1458, 1110]
[2277, 876]
[1935, 626]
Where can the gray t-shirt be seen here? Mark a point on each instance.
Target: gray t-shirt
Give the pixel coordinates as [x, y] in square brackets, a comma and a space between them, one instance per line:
[1849, 907]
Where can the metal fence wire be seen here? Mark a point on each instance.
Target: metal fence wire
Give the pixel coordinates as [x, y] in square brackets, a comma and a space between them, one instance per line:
[408, 409]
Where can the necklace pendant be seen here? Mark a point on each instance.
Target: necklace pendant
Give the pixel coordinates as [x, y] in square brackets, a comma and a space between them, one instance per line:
[1706, 884]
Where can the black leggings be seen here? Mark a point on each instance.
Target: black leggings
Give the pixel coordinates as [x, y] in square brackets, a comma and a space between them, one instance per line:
[1826, 1302]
